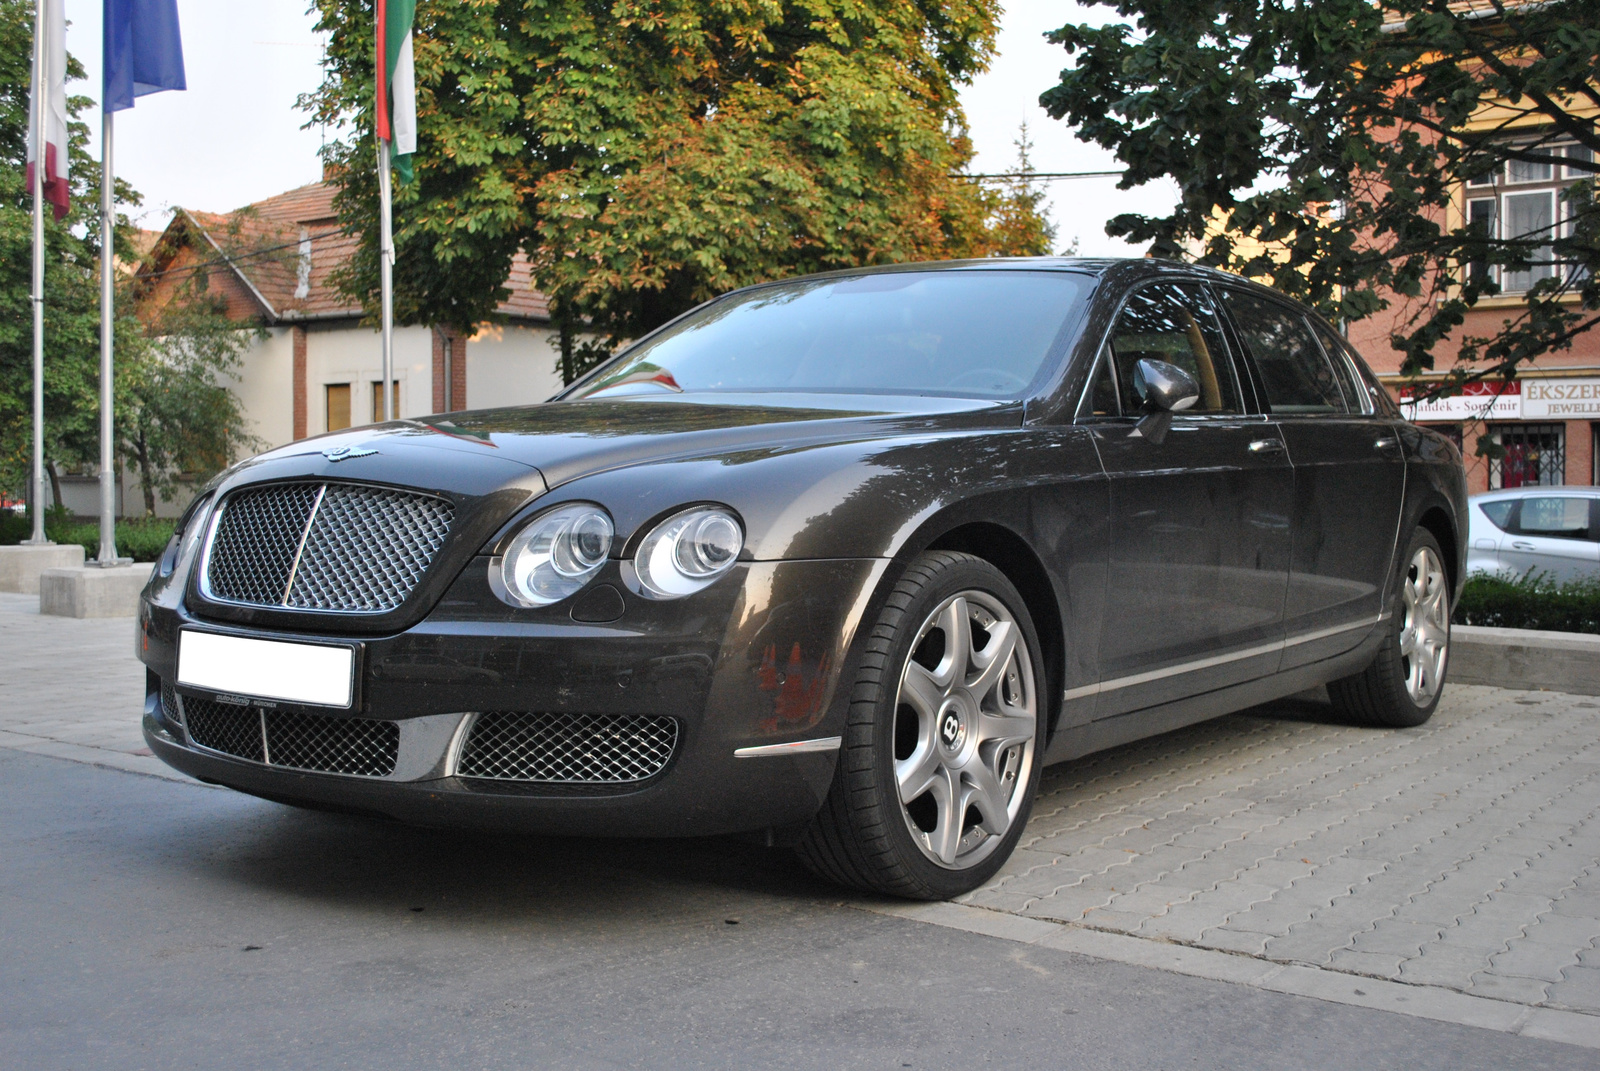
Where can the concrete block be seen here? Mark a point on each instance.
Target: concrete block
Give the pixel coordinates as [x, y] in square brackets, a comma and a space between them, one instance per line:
[20, 566]
[90, 591]
[1526, 659]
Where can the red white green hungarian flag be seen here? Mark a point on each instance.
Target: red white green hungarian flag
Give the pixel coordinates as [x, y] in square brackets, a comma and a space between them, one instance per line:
[397, 83]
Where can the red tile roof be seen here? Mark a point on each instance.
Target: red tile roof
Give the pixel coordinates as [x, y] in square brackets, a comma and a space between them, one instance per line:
[265, 245]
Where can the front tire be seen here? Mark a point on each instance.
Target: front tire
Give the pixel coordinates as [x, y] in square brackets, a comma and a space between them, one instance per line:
[1402, 686]
[943, 740]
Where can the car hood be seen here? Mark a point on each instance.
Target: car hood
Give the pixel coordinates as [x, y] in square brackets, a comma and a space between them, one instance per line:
[565, 440]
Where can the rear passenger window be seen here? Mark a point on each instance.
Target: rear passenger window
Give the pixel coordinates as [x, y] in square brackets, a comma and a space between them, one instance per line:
[1554, 518]
[1297, 377]
[1499, 513]
[1342, 371]
[1176, 324]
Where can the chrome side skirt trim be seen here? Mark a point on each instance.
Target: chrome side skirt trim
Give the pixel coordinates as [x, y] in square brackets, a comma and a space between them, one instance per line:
[797, 747]
[1217, 660]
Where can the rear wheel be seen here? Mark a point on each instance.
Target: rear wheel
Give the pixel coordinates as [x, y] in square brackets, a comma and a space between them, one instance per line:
[942, 747]
[1403, 684]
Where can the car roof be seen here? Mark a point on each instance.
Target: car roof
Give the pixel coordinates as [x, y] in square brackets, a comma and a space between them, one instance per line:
[1537, 489]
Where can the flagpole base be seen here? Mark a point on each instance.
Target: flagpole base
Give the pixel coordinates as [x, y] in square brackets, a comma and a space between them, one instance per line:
[37, 543]
[101, 563]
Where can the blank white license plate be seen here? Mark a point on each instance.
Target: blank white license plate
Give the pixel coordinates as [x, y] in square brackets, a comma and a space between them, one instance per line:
[267, 669]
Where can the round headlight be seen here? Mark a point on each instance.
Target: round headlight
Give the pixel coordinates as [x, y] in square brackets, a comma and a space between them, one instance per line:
[554, 556]
[687, 551]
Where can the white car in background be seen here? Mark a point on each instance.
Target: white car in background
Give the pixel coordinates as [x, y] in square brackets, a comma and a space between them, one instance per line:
[1553, 530]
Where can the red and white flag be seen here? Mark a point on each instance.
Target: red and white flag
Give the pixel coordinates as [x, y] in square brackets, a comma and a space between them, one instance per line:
[48, 105]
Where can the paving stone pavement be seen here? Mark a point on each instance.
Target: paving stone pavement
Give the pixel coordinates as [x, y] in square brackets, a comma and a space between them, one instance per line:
[1463, 854]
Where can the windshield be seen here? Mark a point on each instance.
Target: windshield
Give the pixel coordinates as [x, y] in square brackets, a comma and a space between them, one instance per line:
[979, 333]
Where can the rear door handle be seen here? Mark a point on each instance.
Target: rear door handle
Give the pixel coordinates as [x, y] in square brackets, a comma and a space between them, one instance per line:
[1267, 446]
[1520, 545]
[1386, 443]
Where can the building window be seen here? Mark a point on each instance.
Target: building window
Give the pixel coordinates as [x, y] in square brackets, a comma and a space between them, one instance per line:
[1534, 455]
[377, 400]
[338, 406]
[1523, 200]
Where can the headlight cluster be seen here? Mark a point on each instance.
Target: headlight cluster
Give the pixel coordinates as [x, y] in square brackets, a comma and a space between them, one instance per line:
[686, 552]
[553, 557]
[557, 553]
[187, 535]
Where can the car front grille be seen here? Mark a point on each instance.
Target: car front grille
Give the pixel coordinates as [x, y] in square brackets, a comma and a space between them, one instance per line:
[567, 748]
[362, 746]
[170, 708]
[324, 546]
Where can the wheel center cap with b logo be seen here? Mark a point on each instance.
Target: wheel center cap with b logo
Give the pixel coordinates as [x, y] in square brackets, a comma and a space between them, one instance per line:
[952, 727]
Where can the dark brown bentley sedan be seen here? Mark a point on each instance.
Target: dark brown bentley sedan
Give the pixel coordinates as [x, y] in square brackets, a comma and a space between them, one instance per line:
[843, 561]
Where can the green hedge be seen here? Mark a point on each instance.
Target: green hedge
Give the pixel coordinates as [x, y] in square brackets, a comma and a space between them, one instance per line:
[141, 540]
[1533, 601]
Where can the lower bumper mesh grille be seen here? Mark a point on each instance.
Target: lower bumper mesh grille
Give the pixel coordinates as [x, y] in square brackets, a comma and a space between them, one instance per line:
[360, 746]
[170, 708]
[567, 748]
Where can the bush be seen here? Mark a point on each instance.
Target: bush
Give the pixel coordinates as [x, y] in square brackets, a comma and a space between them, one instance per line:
[142, 540]
[1533, 601]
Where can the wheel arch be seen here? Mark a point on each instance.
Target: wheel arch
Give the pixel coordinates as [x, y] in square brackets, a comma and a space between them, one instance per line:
[1010, 553]
[1436, 520]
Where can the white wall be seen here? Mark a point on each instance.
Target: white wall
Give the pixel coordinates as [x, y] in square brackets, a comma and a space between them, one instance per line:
[354, 355]
[265, 386]
[511, 365]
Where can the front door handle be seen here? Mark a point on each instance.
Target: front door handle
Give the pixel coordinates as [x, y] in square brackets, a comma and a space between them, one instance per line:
[1267, 446]
[1520, 545]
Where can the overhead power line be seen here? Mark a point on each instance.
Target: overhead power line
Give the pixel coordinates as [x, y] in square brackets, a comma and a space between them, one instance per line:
[1044, 175]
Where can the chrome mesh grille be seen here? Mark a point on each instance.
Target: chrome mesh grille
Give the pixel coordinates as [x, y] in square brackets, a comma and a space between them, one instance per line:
[362, 746]
[339, 547]
[170, 709]
[568, 748]
[333, 745]
[228, 729]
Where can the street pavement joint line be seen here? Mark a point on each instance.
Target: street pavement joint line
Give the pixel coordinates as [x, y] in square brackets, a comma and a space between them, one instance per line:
[1403, 998]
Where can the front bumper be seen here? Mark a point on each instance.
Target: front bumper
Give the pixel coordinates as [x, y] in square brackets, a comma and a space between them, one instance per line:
[752, 661]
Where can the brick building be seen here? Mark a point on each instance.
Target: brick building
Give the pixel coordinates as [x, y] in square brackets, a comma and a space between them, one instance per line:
[319, 368]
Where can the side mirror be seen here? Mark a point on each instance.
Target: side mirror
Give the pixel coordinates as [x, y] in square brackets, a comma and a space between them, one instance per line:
[1166, 389]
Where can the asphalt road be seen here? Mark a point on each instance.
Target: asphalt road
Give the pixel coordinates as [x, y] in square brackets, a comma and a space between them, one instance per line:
[153, 924]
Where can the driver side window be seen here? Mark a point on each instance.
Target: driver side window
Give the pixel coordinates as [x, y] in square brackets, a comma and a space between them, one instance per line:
[1177, 324]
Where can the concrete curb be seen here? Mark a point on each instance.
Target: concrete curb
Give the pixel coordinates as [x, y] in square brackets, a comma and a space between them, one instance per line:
[1525, 659]
[91, 591]
[21, 566]
[1423, 1001]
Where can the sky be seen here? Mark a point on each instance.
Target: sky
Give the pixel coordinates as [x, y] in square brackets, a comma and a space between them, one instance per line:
[235, 135]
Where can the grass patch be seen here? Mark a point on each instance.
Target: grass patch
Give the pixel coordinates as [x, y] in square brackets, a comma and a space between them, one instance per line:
[1533, 601]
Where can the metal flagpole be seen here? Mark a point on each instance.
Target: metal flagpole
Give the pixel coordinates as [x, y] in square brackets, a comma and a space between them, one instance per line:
[108, 489]
[386, 271]
[38, 538]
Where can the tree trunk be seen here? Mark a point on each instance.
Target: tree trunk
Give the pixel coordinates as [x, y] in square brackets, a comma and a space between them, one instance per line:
[567, 373]
[55, 482]
[142, 452]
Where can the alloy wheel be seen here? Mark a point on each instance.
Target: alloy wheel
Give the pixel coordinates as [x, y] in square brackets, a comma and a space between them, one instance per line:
[1425, 626]
[966, 720]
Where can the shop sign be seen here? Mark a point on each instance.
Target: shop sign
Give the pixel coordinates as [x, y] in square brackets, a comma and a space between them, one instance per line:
[1560, 399]
[1477, 401]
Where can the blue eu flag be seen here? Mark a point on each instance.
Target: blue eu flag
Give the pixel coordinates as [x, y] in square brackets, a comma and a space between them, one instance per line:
[143, 53]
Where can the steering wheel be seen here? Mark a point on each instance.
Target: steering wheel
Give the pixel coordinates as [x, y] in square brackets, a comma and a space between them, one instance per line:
[987, 379]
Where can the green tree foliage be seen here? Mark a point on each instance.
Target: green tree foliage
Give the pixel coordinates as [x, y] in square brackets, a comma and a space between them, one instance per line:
[72, 314]
[649, 155]
[1341, 144]
[178, 423]
[1018, 224]
[172, 406]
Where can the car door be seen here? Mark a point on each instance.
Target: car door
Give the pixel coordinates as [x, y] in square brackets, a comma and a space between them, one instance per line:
[1486, 528]
[1200, 540]
[1554, 534]
[1349, 477]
